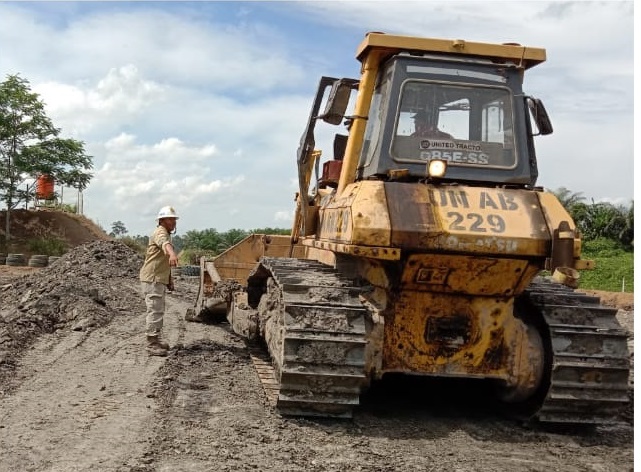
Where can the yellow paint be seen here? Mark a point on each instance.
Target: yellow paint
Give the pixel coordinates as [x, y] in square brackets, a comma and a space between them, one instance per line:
[358, 219]
[237, 261]
[464, 219]
[384, 253]
[377, 46]
[354, 145]
[525, 56]
[482, 220]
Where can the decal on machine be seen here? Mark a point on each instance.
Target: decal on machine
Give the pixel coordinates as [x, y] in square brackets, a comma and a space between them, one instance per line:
[460, 199]
[475, 222]
[492, 243]
[461, 220]
[432, 275]
[335, 221]
[457, 152]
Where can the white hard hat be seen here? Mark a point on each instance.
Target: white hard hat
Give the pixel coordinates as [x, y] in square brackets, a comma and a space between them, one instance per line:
[167, 212]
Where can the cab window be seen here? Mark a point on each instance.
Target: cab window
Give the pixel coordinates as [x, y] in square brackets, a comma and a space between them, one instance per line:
[465, 125]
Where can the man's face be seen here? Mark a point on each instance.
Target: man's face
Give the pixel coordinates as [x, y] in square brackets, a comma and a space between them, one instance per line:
[168, 223]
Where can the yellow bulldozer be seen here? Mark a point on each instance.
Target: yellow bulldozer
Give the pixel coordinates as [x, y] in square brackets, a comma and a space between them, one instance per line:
[420, 246]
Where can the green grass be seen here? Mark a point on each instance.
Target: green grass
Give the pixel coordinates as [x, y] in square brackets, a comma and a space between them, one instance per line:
[48, 246]
[614, 265]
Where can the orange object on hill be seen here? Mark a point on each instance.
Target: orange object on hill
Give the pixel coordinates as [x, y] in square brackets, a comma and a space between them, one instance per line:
[45, 187]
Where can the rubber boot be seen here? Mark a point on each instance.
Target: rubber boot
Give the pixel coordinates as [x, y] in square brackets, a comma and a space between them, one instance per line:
[155, 347]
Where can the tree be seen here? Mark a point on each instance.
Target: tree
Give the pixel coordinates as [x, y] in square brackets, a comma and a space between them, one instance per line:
[118, 229]
[177, 242]
[208, 239]
[620, 225]
[230, 238]
[567, 198]
[211, 241]
[268, 230]
[141, 240]
[626, 235]
[599, 220]
[30, 146]
[604, 220]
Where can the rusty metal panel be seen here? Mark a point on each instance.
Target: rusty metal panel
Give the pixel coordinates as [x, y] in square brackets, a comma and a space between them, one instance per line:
[411, 215]
[441, 334]
[335, 217]
[370, 216]
[467, 219]
[471, 275]
[553, 211]
[385, 253]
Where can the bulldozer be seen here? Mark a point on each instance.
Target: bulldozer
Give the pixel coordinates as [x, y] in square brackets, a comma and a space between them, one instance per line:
[426, 248]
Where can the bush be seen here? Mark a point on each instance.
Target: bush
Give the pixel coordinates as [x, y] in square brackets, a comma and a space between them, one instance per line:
[133, 244]
[48, 246]
[614, 266]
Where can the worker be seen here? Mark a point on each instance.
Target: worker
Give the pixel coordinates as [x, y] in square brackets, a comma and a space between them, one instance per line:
[424, 129]
[156, 280]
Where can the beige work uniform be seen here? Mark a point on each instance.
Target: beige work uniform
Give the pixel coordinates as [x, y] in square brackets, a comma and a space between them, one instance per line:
[154, 277]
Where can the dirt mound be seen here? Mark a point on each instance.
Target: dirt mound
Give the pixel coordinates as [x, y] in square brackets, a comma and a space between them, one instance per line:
[620, 300]
[28, 225]
[83, 289]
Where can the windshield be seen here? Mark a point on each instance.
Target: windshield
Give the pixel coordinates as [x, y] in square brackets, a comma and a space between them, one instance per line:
[465, 125]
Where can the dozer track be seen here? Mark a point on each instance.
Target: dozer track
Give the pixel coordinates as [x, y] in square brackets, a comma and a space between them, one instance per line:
[590, 362]
[316, 338]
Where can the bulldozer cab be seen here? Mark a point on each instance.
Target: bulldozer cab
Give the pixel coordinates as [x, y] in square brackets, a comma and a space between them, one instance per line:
[472, 115]
[461, 103]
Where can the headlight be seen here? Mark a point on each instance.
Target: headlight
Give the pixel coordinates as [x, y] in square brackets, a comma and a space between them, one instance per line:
[436, 168]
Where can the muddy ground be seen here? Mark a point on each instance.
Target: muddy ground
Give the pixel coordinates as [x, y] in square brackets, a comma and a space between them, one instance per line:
[79, 393]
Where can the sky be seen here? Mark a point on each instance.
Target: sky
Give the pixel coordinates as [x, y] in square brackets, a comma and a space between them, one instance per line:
[201, 105]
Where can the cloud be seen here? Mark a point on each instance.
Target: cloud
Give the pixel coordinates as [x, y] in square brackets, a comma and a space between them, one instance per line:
[285, 216]
[121, 96]
[175, 45]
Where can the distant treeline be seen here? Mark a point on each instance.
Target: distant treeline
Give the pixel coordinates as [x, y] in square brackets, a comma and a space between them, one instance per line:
[209, 242]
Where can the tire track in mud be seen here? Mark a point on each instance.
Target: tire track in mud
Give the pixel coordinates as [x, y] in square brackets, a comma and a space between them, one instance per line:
[213, 415]
[80, 399]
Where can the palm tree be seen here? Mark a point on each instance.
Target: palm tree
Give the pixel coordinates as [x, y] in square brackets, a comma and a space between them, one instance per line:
[568, 198]
[605, 220]
[230, 238]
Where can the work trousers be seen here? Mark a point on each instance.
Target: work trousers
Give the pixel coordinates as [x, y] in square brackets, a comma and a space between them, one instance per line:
[154, 294]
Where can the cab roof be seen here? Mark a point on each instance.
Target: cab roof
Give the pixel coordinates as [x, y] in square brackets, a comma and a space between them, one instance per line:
[387, 44]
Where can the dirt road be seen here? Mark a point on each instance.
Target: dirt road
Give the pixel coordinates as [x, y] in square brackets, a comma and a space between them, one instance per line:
[86, 397]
